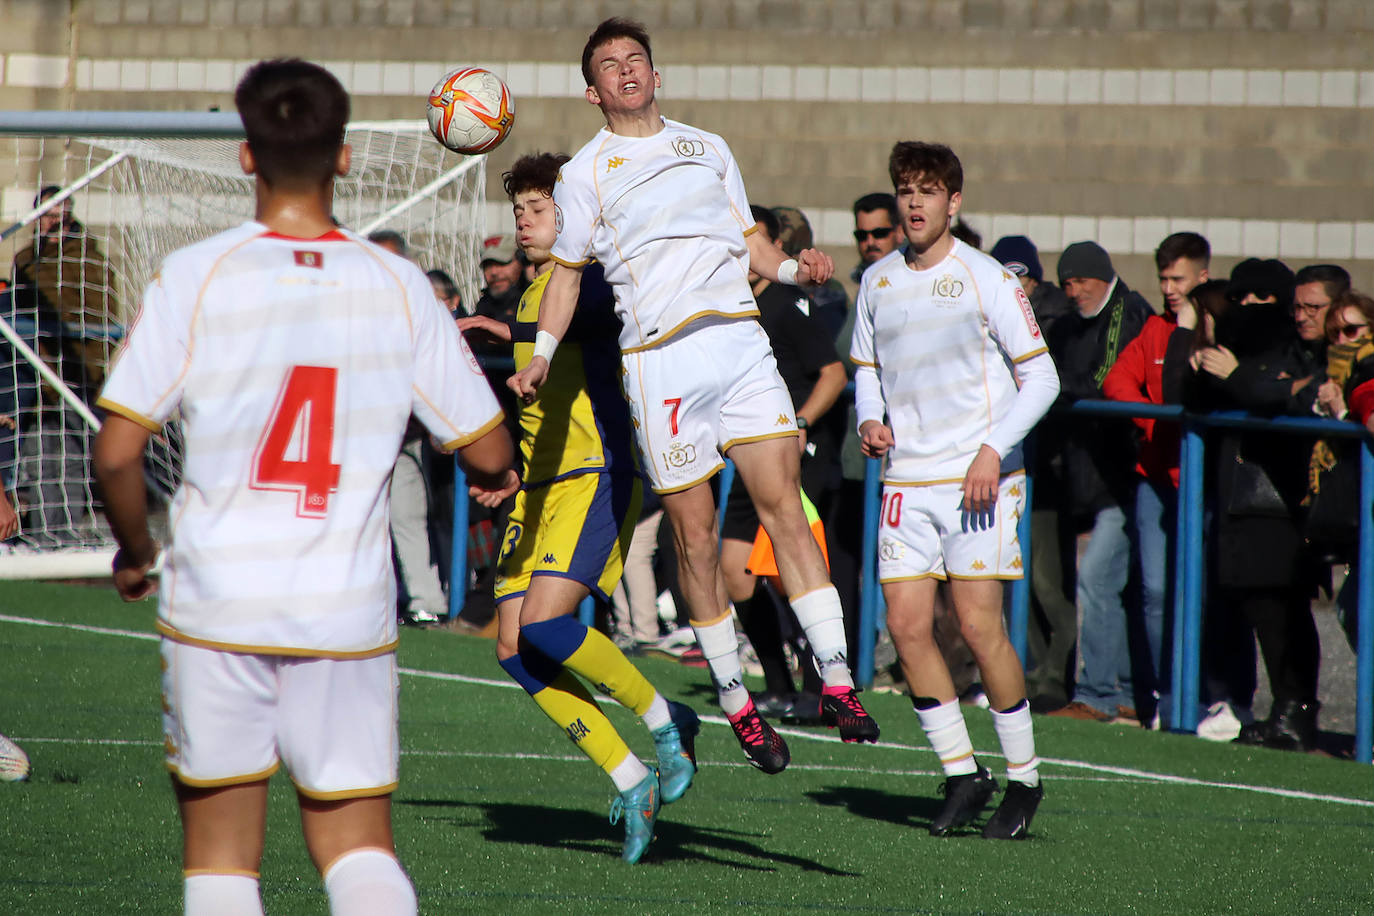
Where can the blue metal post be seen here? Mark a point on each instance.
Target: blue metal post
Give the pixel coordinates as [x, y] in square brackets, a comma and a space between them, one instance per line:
[1364, 637]
[1020, 588]
[458, 561]
[1187, 697]
[1182, 523]
[869, 595]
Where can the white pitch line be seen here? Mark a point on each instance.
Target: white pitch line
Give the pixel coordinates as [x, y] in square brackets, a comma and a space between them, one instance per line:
[1118, 771]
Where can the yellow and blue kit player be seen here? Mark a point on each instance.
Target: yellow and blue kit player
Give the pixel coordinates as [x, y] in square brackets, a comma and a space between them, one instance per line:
[571, 526]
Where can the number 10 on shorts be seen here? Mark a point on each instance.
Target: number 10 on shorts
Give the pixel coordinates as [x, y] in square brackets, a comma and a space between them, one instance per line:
[295, 450]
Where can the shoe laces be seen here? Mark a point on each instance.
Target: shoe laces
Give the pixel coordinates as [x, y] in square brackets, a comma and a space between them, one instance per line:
[850, 701]
[750, 728]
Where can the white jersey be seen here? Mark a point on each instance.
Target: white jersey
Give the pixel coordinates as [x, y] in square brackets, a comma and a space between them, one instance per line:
[666, 216]
[296, 365]
[944, 342]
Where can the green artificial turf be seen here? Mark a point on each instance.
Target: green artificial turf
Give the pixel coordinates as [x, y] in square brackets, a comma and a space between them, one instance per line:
[497, 812]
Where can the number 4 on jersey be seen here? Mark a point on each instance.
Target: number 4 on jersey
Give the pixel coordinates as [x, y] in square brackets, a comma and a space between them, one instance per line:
[295, 451]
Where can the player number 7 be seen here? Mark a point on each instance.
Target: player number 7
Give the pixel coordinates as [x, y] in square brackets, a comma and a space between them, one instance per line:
[294, 452]
[674, 403]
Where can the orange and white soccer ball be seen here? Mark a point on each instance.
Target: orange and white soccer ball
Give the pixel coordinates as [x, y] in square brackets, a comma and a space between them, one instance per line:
[14, 763]
[471, 110]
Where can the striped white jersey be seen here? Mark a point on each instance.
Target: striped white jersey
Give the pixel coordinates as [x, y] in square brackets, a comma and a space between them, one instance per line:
[296, 365]
[944, 343]
[666, 217]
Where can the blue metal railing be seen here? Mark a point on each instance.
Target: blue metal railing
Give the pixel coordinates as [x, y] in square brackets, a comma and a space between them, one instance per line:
[1188, 556]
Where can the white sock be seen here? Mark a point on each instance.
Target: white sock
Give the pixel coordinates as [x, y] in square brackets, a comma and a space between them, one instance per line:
[222, 895]
[821, 616]
[656, 716]
[1018, 743]
[720, 645]
[948, 736]
[629, 773]
[368, 882]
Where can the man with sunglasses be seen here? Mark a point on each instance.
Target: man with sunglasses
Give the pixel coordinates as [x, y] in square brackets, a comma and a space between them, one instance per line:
[875, 233]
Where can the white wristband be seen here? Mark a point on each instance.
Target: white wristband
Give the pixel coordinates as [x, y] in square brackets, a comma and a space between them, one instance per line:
[544, 345]
[787, 272]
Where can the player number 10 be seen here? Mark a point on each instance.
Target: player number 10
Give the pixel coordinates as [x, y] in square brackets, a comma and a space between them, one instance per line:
[295, 450]
[892, 509]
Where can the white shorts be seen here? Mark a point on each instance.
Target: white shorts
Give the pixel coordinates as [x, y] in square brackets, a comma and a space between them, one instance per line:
[703, 391]
[230, 718]
[924, 533]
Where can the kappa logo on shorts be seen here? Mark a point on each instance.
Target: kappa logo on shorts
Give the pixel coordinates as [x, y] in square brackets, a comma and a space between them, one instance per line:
[1015, 562]
[978, 566]
[1014, 490]
[679, 455]
[783, 420]
[687, 146]
[169, 745]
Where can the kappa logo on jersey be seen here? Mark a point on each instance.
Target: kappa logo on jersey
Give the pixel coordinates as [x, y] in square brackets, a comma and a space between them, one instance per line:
[947, 287]
[313, 259]
[884, 282]
[550, 559]
[686, 146]
[615, 162]
[1024, 301]
[679, 455]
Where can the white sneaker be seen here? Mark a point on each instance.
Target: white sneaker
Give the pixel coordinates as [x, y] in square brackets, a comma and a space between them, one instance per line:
[1220, 723]
[14, 763]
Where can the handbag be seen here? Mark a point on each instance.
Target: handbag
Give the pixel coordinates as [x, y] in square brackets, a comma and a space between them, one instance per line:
[1253, 493]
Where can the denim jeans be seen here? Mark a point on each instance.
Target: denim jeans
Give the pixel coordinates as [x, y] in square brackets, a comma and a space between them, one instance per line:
[1155, 511]
[1104, 659]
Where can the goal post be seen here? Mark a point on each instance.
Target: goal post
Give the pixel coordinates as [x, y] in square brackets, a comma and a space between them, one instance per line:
[130, 188]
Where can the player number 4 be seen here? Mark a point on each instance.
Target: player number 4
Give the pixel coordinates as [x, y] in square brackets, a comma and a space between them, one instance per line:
[295, 451]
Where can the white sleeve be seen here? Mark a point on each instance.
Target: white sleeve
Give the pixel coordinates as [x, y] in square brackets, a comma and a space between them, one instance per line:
[451, 395]
[1039, 386]
[1012, 321]
[575, 212]
[868, 391]
[149, 372]
[734, 189]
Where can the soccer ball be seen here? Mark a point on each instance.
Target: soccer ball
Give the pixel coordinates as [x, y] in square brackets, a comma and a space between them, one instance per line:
[471, 110]
[14, 763]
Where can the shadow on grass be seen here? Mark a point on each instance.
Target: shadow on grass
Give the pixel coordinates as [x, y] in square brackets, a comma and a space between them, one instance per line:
[561, 828]
[874, 804]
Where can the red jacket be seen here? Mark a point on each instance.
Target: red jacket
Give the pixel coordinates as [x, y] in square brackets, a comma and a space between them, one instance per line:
[1137, 376]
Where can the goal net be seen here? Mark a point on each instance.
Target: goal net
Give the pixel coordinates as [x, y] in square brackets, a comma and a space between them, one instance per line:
[76, 261]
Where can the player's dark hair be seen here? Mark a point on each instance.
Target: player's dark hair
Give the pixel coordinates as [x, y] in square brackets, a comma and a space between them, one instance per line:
[294, 114]
[389, 237]
[1188, 245]
[610, 30]
[533, 172]
[912, 159]
[878, 200]
[1335, 280]
[771, 227]
[443, 281]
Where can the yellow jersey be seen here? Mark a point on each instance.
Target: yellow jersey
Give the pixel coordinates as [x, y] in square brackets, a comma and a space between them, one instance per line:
[580, 422]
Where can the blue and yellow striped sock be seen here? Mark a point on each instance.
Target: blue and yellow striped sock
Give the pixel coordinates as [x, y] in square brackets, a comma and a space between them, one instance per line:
[589, 653]
[570, 706]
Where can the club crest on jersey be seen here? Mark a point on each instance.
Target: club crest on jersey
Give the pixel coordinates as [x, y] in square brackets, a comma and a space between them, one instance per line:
[313, 259]
[947, 287]
[686, 146]
[679, 455]
[1024, 301]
